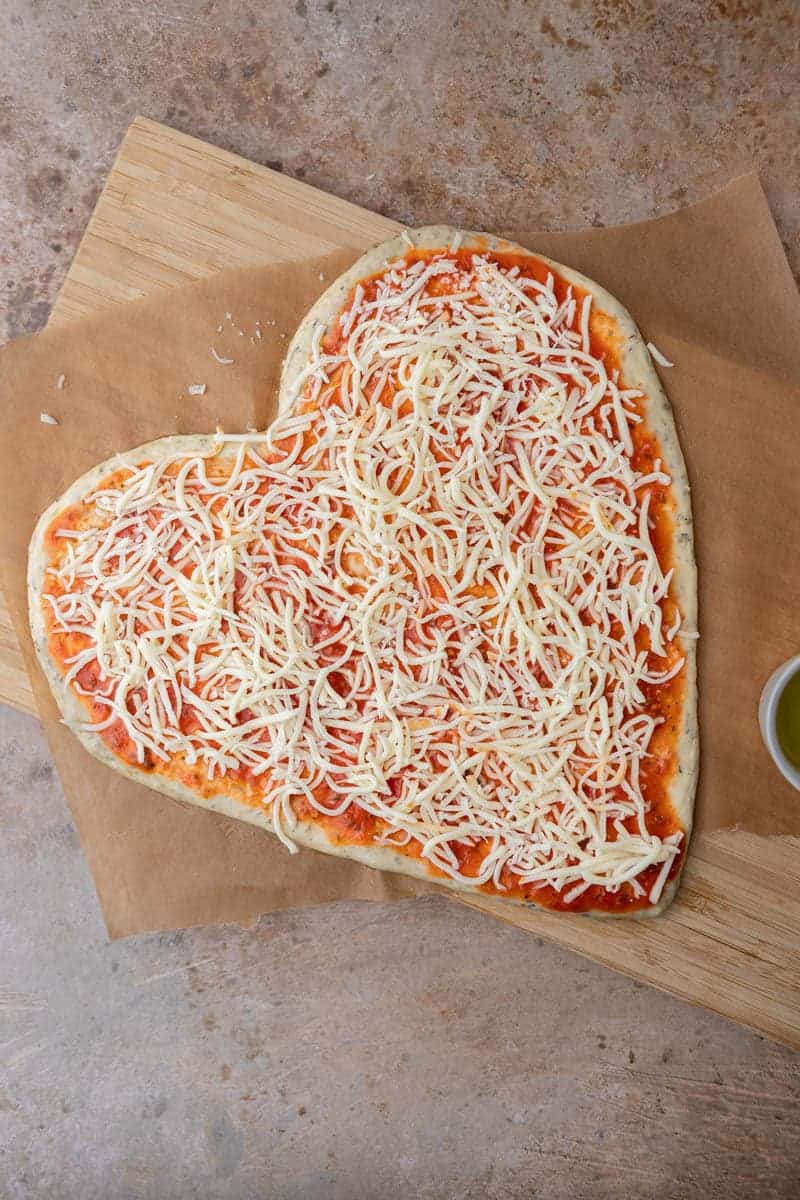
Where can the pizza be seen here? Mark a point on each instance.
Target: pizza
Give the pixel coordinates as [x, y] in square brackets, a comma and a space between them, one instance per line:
[439, 618]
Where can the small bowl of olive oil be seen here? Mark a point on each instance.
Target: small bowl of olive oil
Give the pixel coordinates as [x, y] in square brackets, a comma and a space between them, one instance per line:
[779, 718]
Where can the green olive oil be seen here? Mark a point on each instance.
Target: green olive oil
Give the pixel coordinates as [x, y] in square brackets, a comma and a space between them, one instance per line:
[787, 720]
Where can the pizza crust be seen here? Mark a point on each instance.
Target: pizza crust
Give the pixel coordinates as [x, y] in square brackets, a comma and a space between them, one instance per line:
[638, 372]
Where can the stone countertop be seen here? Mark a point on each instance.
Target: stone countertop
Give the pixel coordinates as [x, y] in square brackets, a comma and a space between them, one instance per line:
[414, 1049]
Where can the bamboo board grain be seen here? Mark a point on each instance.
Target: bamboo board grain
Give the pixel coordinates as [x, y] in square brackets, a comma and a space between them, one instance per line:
[175, 209]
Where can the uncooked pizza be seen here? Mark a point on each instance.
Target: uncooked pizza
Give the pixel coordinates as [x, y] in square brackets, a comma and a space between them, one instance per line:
[439, 618]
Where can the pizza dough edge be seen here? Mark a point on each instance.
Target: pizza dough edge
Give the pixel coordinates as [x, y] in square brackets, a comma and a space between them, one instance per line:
[638, 371]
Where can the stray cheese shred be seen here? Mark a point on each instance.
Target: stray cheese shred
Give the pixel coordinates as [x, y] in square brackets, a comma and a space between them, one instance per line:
[429, 596]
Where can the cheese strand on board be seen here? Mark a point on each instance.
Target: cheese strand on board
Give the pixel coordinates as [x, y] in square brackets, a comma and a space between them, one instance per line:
[430, 591]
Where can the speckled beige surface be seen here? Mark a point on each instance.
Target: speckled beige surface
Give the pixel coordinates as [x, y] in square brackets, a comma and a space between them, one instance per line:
[415, 1049]
[508, 115]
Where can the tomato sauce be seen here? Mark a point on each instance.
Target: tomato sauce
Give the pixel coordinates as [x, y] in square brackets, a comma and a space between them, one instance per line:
[357, 827]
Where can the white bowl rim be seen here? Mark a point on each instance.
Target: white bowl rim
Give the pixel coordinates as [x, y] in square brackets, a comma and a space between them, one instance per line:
[767, 712]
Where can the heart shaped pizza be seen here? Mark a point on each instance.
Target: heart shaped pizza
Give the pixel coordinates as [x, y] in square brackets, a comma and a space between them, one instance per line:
[439, 618]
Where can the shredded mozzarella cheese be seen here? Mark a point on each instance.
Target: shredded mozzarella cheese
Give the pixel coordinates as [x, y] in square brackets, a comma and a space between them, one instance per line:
[660, 358]
[428, 591]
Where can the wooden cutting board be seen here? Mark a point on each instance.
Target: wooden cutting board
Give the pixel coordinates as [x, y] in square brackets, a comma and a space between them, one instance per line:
[175, 209]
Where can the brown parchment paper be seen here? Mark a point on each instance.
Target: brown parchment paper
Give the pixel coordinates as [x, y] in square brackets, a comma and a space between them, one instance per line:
[710, 285]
